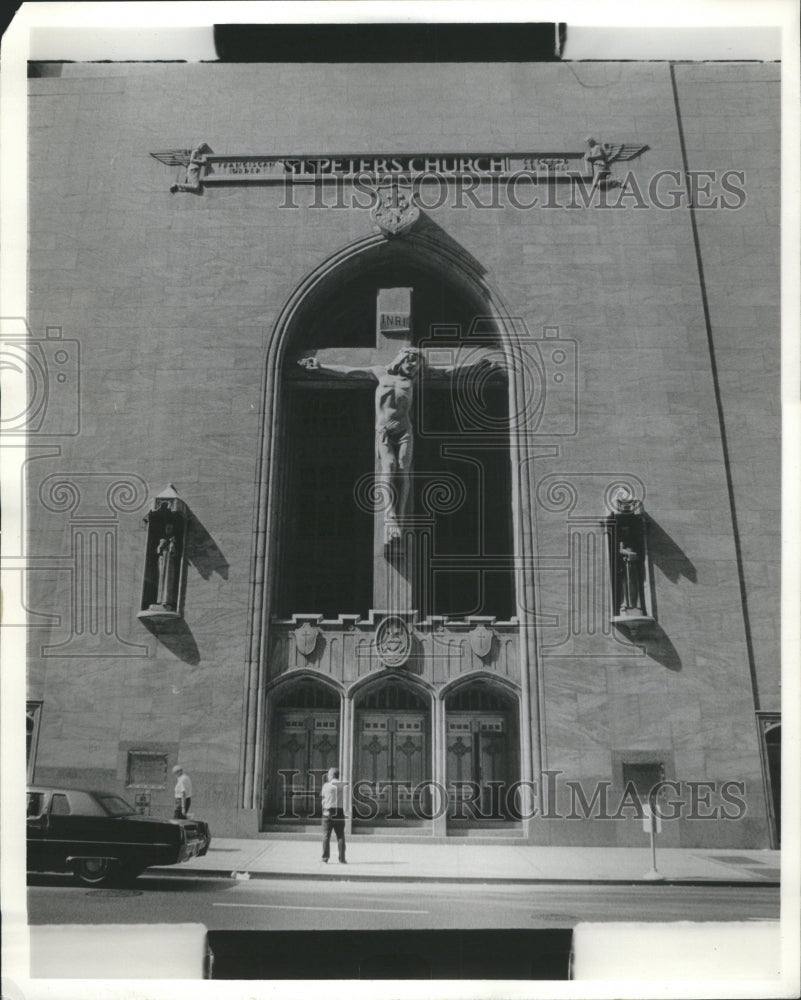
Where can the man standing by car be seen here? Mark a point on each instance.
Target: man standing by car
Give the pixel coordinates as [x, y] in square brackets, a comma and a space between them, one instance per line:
[333, 800]
[183, 793]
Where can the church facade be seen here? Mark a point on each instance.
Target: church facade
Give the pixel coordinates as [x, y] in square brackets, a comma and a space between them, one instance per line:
[417, 420]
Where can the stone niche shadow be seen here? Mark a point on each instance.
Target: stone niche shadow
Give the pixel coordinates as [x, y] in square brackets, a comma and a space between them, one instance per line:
[667, 555]
[654, 642]
[203, 553]
[658, 647]
[176, 636]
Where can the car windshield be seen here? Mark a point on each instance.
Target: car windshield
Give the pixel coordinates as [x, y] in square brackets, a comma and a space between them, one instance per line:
[115, 805]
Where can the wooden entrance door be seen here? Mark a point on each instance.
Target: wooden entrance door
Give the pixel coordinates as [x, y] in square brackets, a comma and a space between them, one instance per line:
[479, 764]
[307, 744]
[392, 755]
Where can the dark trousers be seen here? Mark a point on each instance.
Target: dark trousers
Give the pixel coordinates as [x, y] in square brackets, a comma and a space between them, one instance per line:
[179, 813]
[334, 821]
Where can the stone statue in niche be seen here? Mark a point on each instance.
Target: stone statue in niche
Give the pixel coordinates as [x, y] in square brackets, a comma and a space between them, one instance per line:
[163, 582]
[630, 580]
[167, 553]
[394, 433]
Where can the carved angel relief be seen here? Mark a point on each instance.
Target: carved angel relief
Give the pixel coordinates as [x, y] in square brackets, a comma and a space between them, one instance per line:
[194, 160]
[601, 155]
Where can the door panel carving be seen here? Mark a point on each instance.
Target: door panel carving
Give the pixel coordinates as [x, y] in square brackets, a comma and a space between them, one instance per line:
[307, 744]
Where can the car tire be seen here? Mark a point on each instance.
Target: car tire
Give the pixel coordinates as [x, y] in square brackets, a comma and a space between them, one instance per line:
[95, 871]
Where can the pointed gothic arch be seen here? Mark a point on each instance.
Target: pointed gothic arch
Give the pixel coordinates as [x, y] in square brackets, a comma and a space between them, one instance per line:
[437, 255]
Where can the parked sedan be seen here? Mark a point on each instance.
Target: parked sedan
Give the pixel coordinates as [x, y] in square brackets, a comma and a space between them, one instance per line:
[101, 838]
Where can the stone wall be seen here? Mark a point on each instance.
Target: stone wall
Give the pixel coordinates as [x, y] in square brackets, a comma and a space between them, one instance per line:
[173, 299]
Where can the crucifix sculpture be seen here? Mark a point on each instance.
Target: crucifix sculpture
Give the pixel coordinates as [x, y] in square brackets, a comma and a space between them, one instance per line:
[394, 435]
[396, 369]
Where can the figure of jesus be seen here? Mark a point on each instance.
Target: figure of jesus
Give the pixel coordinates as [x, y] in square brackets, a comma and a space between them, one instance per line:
[394, 437]
[394, 434]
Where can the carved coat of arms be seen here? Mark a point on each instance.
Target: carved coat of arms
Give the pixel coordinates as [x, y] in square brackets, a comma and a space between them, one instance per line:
[395, 211]
[393, 642]
[481, 640]
[306, 638]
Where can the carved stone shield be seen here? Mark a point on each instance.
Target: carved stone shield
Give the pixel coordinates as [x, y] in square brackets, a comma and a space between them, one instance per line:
[395, 211]
[393, 642]
[481, 640]
[306, 638]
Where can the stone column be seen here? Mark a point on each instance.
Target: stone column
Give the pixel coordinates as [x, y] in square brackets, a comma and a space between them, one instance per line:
[346, 756]
[440, 740]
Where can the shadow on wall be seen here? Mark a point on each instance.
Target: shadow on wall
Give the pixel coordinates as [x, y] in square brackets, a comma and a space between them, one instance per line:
[674, 564]
[667, 555]
[659, 647]
[654, 642]
[203, 553]
[425, 226]
[176, 636]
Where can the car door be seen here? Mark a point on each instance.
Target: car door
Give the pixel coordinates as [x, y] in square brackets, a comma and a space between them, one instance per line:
[58, 833]
[84, 828]
[36, 822]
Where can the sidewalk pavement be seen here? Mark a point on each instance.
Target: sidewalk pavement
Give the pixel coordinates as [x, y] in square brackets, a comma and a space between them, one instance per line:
[378, 860]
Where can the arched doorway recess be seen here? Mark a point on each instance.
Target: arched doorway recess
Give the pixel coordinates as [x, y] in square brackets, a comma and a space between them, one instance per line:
[422, 260]
[392, 753]
[305, 740]
[482, 743]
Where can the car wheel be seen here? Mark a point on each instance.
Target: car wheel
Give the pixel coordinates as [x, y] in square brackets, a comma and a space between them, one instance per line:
[95, 871]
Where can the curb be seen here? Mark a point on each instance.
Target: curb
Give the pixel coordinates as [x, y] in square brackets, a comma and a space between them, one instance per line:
[329, 876]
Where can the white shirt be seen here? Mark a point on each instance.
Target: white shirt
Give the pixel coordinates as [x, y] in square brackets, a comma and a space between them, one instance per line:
[333, 794]
[183, 786]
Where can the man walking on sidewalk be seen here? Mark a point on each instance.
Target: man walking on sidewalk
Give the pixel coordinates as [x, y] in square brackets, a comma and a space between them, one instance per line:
[333, 799]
